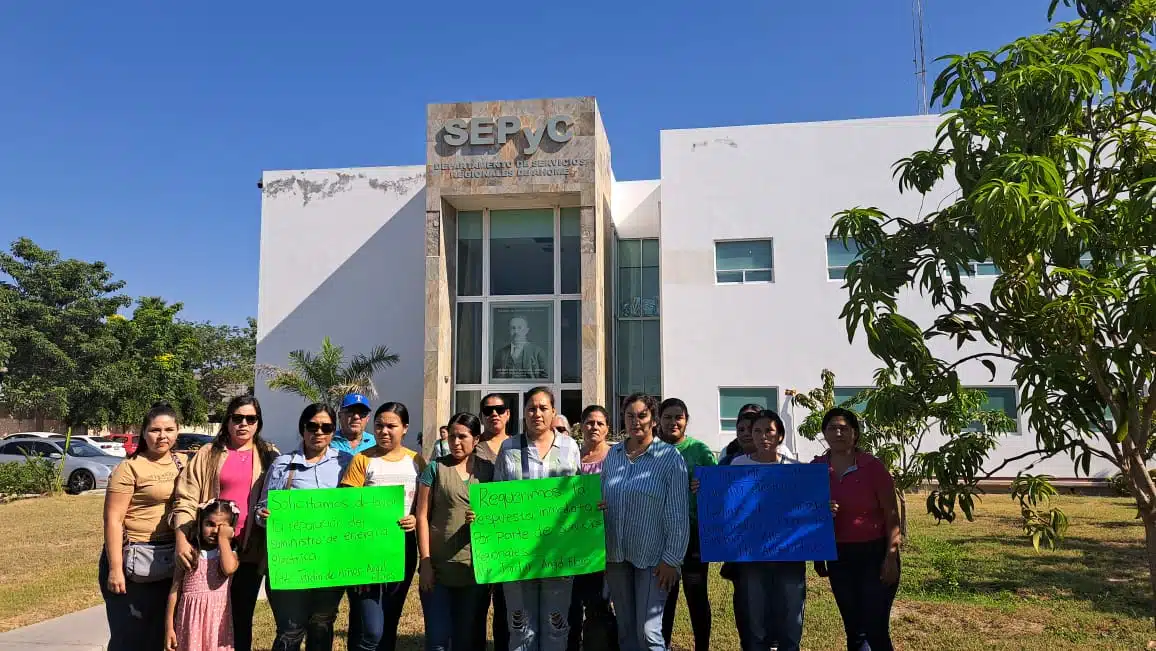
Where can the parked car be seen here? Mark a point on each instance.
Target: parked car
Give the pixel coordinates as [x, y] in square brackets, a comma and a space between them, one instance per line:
[127, 439]
[189, 442]
[39, 435]
[85, 467]
[103, 443]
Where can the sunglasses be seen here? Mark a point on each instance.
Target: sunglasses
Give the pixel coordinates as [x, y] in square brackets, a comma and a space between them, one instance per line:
[237, 419]
[324, 428]
[359, 414]
[490, 410]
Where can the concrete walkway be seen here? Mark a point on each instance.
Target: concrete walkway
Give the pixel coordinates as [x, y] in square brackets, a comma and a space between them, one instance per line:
[86, 630]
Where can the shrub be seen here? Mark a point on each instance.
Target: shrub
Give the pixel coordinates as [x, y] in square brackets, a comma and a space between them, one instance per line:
[34, 475]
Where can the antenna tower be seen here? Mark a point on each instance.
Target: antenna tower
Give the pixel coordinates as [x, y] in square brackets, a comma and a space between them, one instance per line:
[920, 57]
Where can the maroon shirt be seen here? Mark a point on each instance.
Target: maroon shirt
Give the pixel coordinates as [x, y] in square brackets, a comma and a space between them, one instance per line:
[859, 494]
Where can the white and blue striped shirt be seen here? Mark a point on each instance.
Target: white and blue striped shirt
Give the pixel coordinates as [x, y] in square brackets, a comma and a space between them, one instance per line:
[647, 515]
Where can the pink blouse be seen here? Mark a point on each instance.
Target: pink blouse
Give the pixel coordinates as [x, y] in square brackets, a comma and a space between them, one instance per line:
[237, 483]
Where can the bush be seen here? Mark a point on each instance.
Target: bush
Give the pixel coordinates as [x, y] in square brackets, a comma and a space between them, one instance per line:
[33, 476]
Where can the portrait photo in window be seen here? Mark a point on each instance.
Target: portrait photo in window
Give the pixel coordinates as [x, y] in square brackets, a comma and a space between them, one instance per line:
[521, 342]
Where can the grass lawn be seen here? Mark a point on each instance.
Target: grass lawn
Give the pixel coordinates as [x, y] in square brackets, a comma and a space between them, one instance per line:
[975, 585]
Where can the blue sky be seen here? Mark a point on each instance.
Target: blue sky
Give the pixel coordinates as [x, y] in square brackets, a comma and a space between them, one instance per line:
[135, 132]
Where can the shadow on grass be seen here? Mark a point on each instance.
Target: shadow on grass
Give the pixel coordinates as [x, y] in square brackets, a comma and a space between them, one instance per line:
[1111, 576]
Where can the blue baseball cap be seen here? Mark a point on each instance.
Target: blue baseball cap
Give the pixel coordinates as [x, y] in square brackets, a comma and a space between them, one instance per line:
[355, 399]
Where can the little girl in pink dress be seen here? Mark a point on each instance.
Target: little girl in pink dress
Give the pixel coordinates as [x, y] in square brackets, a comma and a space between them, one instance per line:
[198, 615]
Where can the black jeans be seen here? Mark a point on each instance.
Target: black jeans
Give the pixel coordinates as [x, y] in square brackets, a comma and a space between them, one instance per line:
[586, 600]
[864, 601]
[243, 592]
[377, 609]
[136, 619]
[694, 584]
[501, 626]
[304, 616]
[451, 615]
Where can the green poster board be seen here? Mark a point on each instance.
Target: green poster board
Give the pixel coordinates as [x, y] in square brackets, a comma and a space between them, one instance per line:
[329, 537]
[537, 528]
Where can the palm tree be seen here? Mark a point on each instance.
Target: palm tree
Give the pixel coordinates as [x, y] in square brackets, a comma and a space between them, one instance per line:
[325, 377]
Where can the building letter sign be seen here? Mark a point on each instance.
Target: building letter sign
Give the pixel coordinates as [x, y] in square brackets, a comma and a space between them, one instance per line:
[497, 131]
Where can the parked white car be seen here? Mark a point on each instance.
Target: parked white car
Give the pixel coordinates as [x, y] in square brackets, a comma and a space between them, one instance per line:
[102, 443]
[85, 467]
[39, 435]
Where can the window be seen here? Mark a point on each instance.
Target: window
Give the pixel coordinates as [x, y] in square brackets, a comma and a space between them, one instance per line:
[637, 334]
[839, 256]
[638, 278]
[1086, 260]
[521, 252]
[730, 400]
[744, 261]
[843, 396]
[999, 398]
[984, 269]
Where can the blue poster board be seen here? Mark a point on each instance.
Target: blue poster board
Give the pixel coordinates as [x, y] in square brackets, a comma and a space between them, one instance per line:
[765, 513]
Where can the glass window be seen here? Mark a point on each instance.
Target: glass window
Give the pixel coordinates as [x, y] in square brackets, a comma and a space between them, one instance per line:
[570, 406]
[746, 261]
[839, 256]
[570, 229]
[999, 398]
[467, 401]
[730, 400]
[1086, 260]
[522, 251]
[639, 363]
[638, 278]
[469, 260]
[468, 356]
[571, 343]
[522, 342]
[844, 395]
[985, 268]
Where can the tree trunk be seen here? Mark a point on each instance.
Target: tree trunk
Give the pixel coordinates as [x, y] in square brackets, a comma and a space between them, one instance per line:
[1149, 518]
[1144, 491]
[902, 497]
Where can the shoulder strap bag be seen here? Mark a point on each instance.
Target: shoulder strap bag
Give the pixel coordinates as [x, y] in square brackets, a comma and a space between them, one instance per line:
[147, 562]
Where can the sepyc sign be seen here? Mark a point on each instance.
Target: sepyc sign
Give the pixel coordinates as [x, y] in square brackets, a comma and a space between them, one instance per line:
[498, 131]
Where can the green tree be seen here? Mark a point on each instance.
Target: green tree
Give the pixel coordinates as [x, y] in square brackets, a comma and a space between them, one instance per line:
[898, 424]
[56, 312]
[157, 361]
[1052, 145]
[325, 376]
[227, 362]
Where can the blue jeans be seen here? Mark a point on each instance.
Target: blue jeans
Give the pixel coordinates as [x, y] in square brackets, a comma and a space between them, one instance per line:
[451, 614]
[864, 601]
[304, 616]
[773, 594]
[538, 611]
[377, 608]
[136, 619]
[638, 605]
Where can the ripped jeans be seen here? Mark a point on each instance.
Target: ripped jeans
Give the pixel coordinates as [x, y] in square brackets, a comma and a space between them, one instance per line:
[136, 619]
[538, 612]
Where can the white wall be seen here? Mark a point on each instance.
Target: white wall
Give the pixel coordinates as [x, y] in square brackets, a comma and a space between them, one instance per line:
[635, 209]
[342, 255]
[783, 182]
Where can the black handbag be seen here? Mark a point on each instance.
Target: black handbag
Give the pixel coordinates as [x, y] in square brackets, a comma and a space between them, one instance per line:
[600, 630]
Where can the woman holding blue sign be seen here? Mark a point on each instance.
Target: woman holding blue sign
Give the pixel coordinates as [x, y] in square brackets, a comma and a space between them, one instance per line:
[388, 463]
[644, 485]
[305, 615]
[538, 609]
[773, 592]
[451, 600]
[865, 579]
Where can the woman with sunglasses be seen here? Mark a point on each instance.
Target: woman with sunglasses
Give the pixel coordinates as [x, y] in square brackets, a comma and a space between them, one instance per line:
[306, 615]
[232, 468]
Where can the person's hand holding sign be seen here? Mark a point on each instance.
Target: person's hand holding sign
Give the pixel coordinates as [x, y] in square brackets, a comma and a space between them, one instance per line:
[834, 508]
[667, 576]
[694, 486]
[471, 516]
[408, 523]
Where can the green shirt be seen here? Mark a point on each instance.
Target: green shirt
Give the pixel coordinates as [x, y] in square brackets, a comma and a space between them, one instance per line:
[695, 453]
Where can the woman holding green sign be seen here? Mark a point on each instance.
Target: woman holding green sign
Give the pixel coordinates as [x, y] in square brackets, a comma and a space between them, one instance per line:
[644, 485]
[388, 463]
[538, 610]
[451, 600]
[305, 615]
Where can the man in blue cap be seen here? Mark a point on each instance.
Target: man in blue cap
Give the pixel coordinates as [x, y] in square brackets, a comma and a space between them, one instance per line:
[352, 436]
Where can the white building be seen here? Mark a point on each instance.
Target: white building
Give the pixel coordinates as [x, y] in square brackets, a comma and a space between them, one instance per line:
[715, 283]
